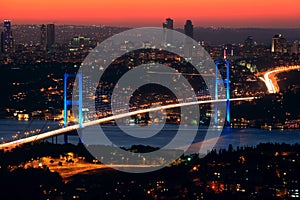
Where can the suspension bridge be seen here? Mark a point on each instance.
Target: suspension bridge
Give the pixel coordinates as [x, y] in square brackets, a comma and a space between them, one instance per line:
[81, 124]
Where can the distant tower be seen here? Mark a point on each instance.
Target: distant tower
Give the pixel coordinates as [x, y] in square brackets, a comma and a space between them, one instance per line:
[188, 45]
[43, 37]
[279, 44]
[249, 45]
[8, 40]
[50, 35]
[168, 24]
[295, 47]
[168, 27]
[249, 42]
[189, 28]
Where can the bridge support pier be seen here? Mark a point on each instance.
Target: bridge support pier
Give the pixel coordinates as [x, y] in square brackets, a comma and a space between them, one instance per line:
[225, 81]
[72, 102]
[65, 138]
[54, 138]
[80, 133]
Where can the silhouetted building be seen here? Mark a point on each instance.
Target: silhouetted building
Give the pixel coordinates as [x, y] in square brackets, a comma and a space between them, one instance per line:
[188, 44]
[189, 28]
[43, 37]
[8, 40]
[279, 44]
[168, 27]
[168, 24]
[50, 35]
[249, 42]
[249, 45]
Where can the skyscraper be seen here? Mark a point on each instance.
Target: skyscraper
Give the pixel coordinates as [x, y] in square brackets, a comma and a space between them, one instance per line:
[188, 44]
[249, 42]
[295, 47]
[189, 28]
[249, 45]
[168, 27]
[8, 42]
[7, 30]
[50, 35]
[168, 24]
[43, 37]
[279, 44]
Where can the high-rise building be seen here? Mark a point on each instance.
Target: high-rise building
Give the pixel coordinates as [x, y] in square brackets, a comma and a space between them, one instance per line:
[249, 43]
[279, 44]
[188, 44]
[43, 37]
[168, 35]
[168, 24]
[189, 28]
[295, 47]
[50, 35]
[8, 40]
[7, 32]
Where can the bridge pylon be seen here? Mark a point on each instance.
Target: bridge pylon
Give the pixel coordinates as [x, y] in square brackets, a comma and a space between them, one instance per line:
[226, 82]
[72, 102]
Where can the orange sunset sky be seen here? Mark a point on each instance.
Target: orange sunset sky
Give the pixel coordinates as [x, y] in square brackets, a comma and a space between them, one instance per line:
[221, 13]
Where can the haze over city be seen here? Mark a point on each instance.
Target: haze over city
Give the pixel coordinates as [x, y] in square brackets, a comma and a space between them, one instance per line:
[133, 13]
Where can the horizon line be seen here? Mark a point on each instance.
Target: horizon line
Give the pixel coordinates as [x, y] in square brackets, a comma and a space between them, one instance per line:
[178, 27]
[178, 23]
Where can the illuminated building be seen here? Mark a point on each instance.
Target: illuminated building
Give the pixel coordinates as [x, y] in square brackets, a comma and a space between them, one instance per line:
[80, 42]
[228, 51]
[50, 35]
[279, 44]
[295, 47]
[7, 44]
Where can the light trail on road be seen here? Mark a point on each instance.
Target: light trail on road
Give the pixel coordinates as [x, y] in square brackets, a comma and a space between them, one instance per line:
[270, 80]
[57, 132]
[178, 73]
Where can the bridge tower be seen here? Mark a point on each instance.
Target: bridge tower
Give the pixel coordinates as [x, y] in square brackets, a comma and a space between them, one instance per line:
[226, 82]
[72, 102]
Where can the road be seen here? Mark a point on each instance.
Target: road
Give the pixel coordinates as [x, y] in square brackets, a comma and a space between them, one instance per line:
[269, 77]
[67, 170]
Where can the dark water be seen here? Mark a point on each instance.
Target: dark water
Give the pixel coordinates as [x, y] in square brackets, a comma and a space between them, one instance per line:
[11, 129]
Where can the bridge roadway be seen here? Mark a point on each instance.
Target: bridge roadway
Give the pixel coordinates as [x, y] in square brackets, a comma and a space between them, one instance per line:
[61, 131]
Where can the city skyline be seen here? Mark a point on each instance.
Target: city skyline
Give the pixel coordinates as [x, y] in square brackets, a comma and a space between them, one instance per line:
[133, 13]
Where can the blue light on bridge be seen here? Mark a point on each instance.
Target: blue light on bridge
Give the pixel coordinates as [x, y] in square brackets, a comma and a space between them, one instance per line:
[226, 81]
[71, 102]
